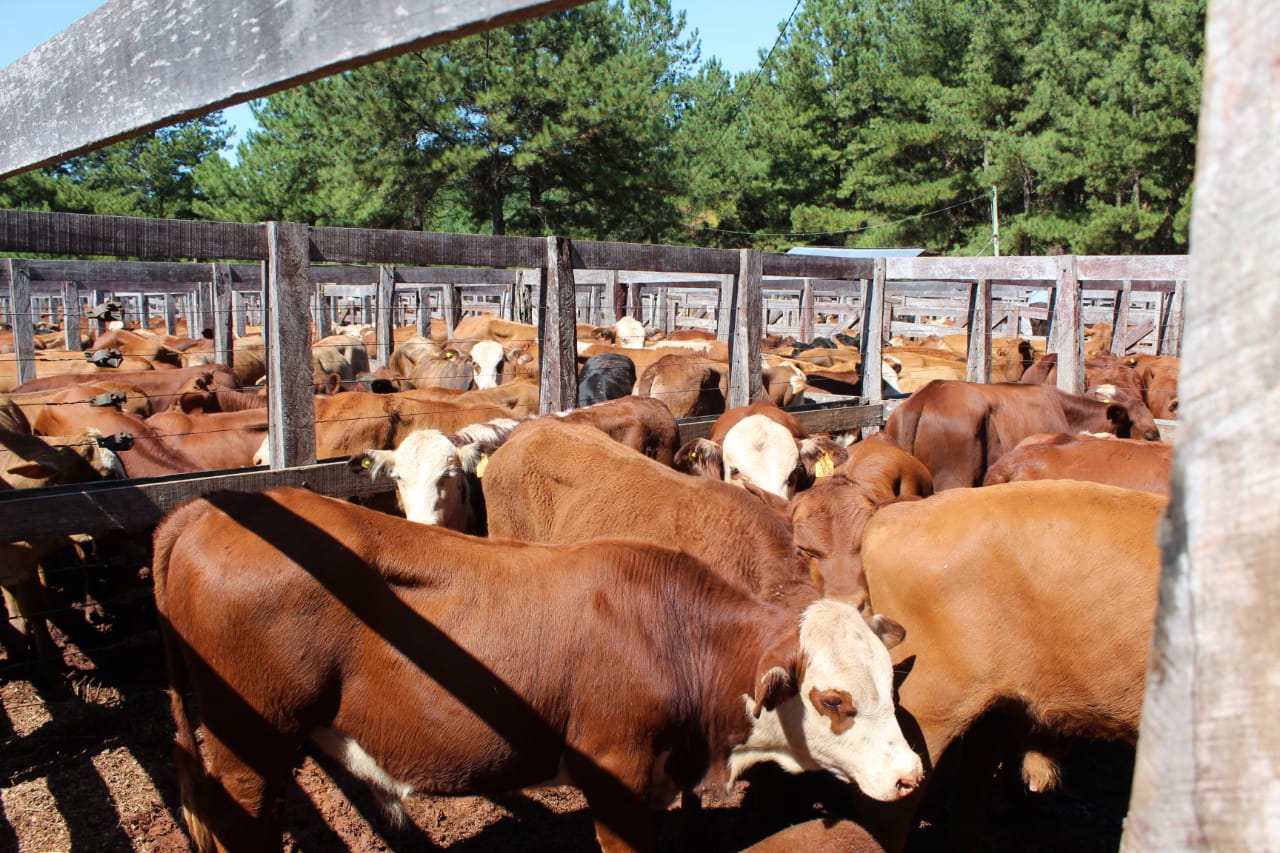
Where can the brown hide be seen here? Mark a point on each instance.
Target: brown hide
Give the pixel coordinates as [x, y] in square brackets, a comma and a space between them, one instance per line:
[733, 417]
[690, 385]
[644, 424]
[150, 456]
[1033, 598]
[959, 429]
[1124, 462]
[63, 368]
[827, 521]
[821, 835]
[553, 482]
[1159, 377]
[162, 386]
[886, 470]
[361, 611]
[215, 440]
[138, 344]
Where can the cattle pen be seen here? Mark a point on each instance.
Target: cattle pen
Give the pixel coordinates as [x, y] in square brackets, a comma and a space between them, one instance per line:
[1205, 777]
[299, 267]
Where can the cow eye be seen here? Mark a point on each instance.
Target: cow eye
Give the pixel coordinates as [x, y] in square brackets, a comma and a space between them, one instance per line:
[733, 472]
[832, 702]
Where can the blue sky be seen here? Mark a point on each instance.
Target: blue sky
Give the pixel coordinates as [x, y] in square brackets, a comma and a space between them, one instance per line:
[734, 32]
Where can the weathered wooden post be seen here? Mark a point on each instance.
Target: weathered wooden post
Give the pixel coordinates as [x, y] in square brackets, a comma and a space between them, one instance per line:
[978, 368]
[744, 348]
[871, 339]
[71, 315]
[1120, 321]
[382, 324]
[290, 399]
[24, 331]
[222, 339]
[1068, 332]
[1206, 776]
[557, 323]
[615, 297]
[806, 310]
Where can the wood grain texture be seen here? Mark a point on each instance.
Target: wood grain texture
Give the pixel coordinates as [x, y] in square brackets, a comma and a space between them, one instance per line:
[290, 403]
[871, 342]
[133, 65]
[748, 323]
[20, 314]
[978, 364]
[558, 348]
[1205, 777]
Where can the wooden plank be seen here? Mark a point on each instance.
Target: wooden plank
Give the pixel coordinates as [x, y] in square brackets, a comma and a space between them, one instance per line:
[615, 297]
[421, 248]
[1120, 267]
[806, 311]
[29, 231]
[1120, 319]
[221, 313]
[964, 269]
[291, 409]
[129, 67]
[978, 365]
[137, 505]
[382, 324]
[558, 349]
[71, 316]
[24, 341]
[745, 382]
[1067, 333]
[871, 340]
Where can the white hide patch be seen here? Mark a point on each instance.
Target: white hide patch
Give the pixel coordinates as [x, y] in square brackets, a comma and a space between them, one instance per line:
[362, 765]
[1105, 393]
[428, 477]
[763, 452]
[487, 357]
[629, 333]
[843, 655]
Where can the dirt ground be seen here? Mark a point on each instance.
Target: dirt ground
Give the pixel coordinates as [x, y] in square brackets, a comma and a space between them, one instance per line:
[85, 764]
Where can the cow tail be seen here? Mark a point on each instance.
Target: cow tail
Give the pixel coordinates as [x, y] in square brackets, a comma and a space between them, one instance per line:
[904, 423]
[186, 753]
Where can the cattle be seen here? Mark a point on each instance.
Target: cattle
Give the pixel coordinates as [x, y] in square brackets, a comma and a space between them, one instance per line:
[436, 474]
[559, 482]
[820, 835]
[487, 359]
[1125, 462]
[341, 354]
[161, 386]
[605, 377]
[886, 469]
[762, 445]
[248, 356]
[1159, 377]
[297, 617]
[28, 461]
[691, 385]
[215, 440]
[65, 368]
[959, 429]
[1033, 602]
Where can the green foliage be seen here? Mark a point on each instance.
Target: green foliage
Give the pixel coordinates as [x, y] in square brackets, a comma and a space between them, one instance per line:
[872, 123]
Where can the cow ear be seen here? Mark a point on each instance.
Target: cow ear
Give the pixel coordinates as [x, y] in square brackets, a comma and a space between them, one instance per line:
[820, 456]
[700, 457]
[770, 500]
[890, 632]
[1118, 415]
[31, 470]
[777, 674]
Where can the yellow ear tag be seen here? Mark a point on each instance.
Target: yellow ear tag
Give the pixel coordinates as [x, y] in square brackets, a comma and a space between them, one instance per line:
[693, 456]
[448, 354]
[366, 463]
[825, 467]
[482, 464]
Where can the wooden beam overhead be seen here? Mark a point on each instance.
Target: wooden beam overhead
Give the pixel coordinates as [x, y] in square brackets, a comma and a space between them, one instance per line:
[137, 65]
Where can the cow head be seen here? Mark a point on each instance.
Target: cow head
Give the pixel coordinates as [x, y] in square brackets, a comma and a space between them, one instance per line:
[829, 705]
[487, 358]
[429, 478]
[1130, 415]
[827, 522]
[762, 451]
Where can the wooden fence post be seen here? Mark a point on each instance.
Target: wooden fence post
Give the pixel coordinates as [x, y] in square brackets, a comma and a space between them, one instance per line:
[222, 313]
[1068, 330]
[871, 337]
[806, 310]
[382, 324]
[745, 383]
[290, 400]
[1120, 321]
[978, 368]
[558, 350]
[24, 330]
[239, 321]
[71, 315]
[615, 297]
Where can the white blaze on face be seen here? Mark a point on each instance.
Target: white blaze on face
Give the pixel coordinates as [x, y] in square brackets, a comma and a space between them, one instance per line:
[487, 356]
[842, 719]
[629, 333]
[429, 480]
[763, 452]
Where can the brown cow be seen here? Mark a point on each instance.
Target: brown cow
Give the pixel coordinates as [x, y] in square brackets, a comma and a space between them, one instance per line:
[821, 835]
[1124, 462]
[1033, 601]
[689, 384]
[215, 440]
[359, 611]
[886, 469]
[959, 429]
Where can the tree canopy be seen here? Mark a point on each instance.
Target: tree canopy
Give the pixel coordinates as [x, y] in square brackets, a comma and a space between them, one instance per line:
[872, 122]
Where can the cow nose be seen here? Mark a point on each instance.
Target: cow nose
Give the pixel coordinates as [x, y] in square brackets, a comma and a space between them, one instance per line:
[907, 784]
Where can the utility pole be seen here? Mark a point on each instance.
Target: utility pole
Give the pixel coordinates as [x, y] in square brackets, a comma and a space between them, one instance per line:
[995, 220]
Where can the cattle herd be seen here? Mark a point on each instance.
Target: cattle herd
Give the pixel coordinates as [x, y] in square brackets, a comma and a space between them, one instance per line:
[583, 598]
